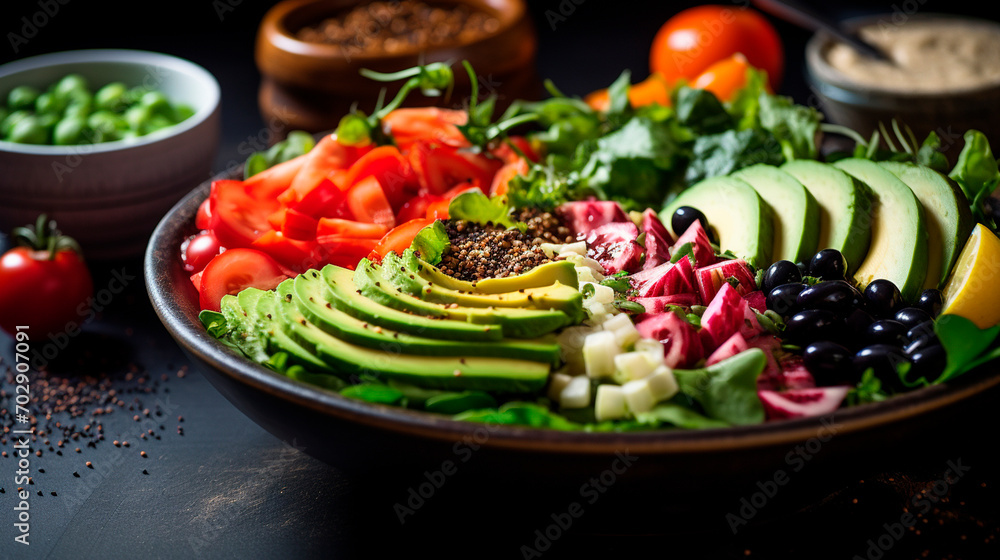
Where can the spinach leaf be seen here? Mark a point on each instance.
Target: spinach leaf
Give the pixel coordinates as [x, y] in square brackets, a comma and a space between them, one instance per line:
[966, 345]
[976, 173]
[795, 126]
[701, 111]
[929, 154]
[431, 242]
[676, 414]
[727, 390]
[373, 393]
[477, 207]
[215, 323]
[522, 414]
[726, 152]
[868, 389]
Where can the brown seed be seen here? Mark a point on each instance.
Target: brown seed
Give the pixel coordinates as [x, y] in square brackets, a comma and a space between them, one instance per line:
[90, 465]
[142, 454]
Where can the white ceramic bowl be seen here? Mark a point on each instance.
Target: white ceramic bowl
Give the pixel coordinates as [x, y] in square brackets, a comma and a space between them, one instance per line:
[110, 196]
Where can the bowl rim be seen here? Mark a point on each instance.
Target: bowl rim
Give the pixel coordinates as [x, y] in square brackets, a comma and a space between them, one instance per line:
[825, 76]
[273, 27]
[129, 56]
[179, 316]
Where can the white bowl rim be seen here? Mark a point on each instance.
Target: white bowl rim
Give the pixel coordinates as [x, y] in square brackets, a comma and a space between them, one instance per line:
[150, 58]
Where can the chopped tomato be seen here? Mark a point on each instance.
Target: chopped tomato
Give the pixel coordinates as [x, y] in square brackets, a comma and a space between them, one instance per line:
[368, 203]
[409, 125]
[327, 200]
[240, 212]
[235, 270]
[400, 238]
[344, 250]
[439, 210]
[326, 156]
[350, 228]
[417, 207]
[279, 176]
[297, 225]
[506, 150]
[203, 219]
[196, 280]
[392, 170]
[293, 255]
[503, 177]
[440, 168]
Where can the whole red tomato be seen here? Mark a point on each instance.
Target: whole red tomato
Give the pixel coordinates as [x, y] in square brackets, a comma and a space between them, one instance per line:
[41, 289]
[694, 39]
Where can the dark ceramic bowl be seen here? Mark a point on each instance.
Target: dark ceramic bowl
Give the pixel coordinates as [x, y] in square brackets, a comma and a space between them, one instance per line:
[678, 470]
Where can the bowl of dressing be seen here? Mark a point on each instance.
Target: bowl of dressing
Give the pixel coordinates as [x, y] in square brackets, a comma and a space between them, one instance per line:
[943, 75]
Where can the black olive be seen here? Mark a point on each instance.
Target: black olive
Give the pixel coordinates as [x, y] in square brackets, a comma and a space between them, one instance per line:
[684, 216]
[828, 264]
[923, 330]
[927, 362]
[781, 272]
[830, 363]
[833, 295]
[912, 316]
[883, 360]
[887, 331]
[782, 299]
[921, 344]
[930, 301]
[883, 298]
[811, 325]
[857, 323]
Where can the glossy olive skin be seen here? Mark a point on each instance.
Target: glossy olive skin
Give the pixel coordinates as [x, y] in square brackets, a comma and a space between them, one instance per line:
[811, 325]
[856, 324]
[781, 272]
[684, 216]
[828, 264]
[882, 298]
[927, 362]
[912, 316]
[883, 360]
[887, 331]
[923, 330]
[833, 295]
[830, 363]
[931, 301]
[782, 300]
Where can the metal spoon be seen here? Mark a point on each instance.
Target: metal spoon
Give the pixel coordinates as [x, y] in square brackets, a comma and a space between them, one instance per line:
[804, 16]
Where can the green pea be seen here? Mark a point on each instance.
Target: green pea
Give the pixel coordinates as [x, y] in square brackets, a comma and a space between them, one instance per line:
[12, 119]
[109, 125]
[83, 109]
[158, 104]
[78, 97]
[135, 94]
[158, 122]
[130, 135]
[29, 130]
[22, 97]
[49, 102]
[70, 131]
[137, 117]
[71, 84]
[182, 112]
[48, 120]
[112, 97]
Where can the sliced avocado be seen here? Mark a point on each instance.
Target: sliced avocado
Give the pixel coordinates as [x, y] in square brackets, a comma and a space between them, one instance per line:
[343, 294]
[307, 291]
[796, 213]
[267, 326]
[946, 214]
[898, 250]
[452, 373]
[736, 212]
[556, 296]
[845, 208]
[563, 272]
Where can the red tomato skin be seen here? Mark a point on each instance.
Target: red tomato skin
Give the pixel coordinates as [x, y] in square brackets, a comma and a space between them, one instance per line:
[199, 250]
[695, 38]
[235, 270]
[44, 295]
[203, 219]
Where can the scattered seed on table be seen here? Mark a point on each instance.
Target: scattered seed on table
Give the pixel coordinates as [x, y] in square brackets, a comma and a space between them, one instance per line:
[53, 493]
[76, 474]
[90, 465]
[144, 471]
[143, 454]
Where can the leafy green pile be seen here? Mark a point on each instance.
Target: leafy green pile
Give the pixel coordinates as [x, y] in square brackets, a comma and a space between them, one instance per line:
[642, 157]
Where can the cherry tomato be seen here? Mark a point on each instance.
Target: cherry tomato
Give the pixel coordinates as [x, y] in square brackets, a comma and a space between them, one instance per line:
[235, 270]
[694, 39]
[725, 77]
[42, 291]
[203, 219]
[198, 250]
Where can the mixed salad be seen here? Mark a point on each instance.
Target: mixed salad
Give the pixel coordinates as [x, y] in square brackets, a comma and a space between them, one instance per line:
[604, 266]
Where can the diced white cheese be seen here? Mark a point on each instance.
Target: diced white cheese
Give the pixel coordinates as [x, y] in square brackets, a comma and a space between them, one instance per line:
[662, 383]
[650, 345]
[578, 247]
[602, 293]
[610, 403]
[571, 345]
[558, 382]
[599, 351]
[597, 311]
[635, 365]
[638, 396]
[576, 394]
[625, 332]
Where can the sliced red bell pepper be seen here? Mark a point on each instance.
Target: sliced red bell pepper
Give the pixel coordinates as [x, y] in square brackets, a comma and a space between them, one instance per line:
[392, 170]
[297, 225]
[345, 251]
[368, 203]
[412, 124]
[400, 238]
[350, 228]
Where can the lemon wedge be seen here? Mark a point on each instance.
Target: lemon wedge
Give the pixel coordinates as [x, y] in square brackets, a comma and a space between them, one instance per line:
[973, 289]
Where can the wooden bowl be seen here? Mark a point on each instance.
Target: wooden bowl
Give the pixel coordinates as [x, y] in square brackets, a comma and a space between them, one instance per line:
[310, 86]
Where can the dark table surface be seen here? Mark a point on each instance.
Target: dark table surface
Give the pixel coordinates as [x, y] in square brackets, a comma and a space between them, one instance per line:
[215, 485]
